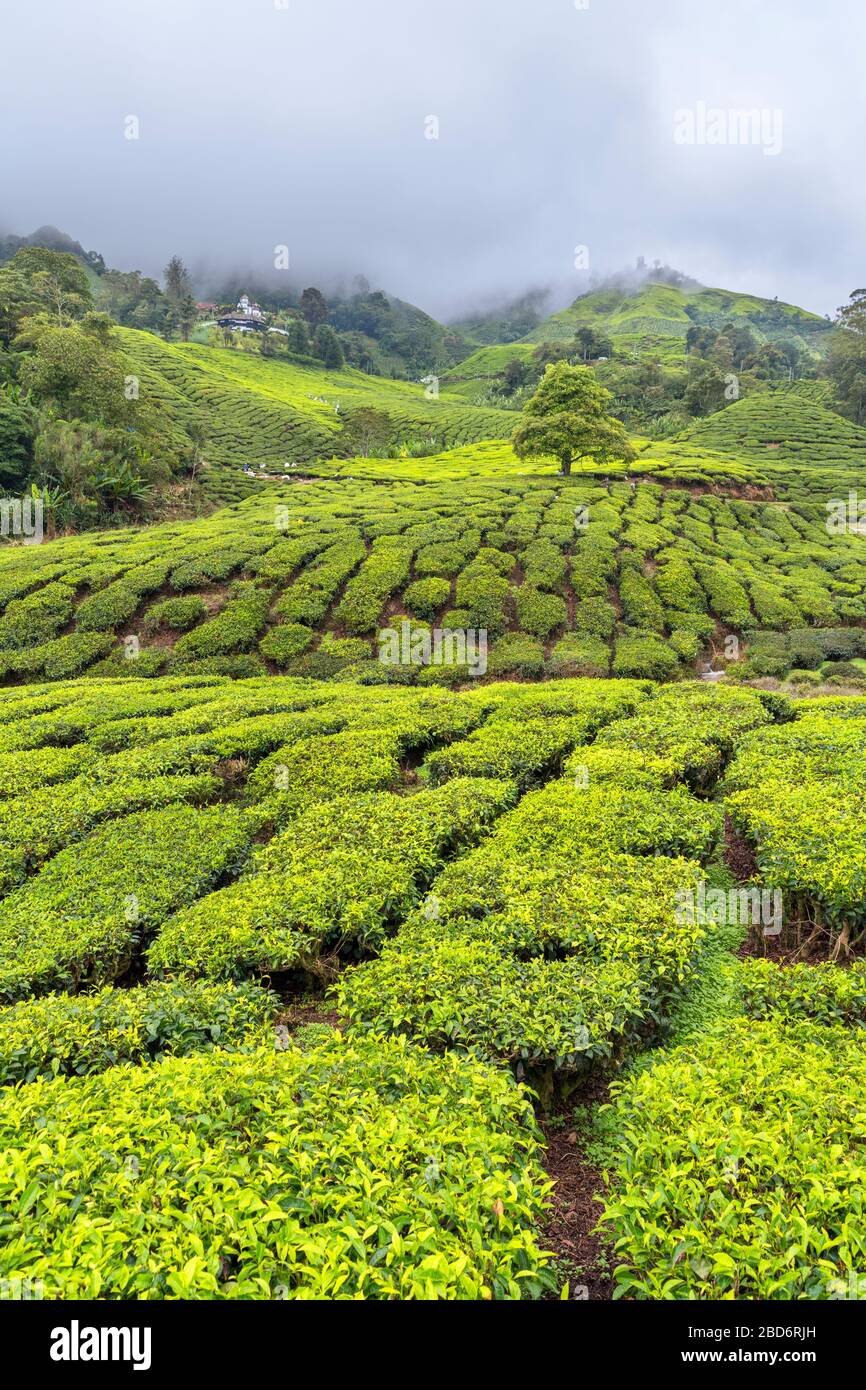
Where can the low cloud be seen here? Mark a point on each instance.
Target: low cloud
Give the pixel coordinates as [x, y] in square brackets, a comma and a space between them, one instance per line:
[453, 154]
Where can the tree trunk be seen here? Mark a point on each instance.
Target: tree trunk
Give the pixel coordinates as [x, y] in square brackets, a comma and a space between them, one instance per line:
[565, 459]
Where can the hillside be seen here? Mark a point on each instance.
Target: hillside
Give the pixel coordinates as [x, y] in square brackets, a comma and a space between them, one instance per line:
[656, 317]
[334, 814]
[293, 899]
[636, 580]
[503, 322]
[272, 415]
[786, 427]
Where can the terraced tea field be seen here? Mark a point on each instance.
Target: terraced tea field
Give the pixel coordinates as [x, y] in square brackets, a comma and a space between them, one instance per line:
[630, 579]
[273, 416]
[279, 960]
[313, 956]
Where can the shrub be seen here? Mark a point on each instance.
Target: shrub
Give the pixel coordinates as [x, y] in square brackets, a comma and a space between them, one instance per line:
[37, 618]
[74, 1034]
[676, 584]
[81, 919]
[42, 767]
[444, 558]
[740, 1167]
[551, 945]
[235, 629]
[523, 749]
[579, 656]
[385, 569]
[516, 654]
[177, 614]
[627, 767]
[821, 993]
[686, 644]
[384, 1173]
[844, 671]
[303, 603]
[319, 767]
[771, 606]
[641, 603]
[37, 825]
[539, 613]
[426, 596]
[58, 659]
[544, 564]
[499, 560]
[282, 644]
[644, 655]
[807, 830]
[728, 599]
[108, 608]
[241, 667]
[595, 616]
[693, 727]
[482, 594]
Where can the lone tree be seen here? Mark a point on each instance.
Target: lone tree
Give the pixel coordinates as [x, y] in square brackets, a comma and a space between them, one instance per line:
[568, 417]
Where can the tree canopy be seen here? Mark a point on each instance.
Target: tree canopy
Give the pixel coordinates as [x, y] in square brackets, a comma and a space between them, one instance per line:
[568, 417]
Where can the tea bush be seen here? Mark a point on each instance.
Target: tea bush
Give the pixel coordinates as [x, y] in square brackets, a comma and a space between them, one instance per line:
[177, 614]
[235, 629]
[282, 644]
[822, 993]
[355, 1169]
[741, 1167]
[74, 1034]
[81, 918]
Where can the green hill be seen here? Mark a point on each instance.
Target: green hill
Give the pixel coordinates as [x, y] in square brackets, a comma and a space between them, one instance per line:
[272, 415]
[657, 317]
[504, 322]
[784, 426]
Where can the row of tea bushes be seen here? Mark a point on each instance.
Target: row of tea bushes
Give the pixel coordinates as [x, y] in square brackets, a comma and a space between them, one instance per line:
[738, 1172]
[81, 920]
[694, 727]
[557, 943]
[586, 579]
[741, 1173]
[337, 881]
[74, 1034]
[798, 793]
[526, 735]
[37, 824]
[355, 1169]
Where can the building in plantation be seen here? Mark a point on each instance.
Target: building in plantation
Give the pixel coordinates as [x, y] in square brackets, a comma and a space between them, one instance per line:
[247, 316]
[249, 307]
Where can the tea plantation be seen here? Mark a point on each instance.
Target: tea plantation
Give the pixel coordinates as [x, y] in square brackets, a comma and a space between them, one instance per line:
[566, 578]
[275, 416]
[481, 888]
[307, 948]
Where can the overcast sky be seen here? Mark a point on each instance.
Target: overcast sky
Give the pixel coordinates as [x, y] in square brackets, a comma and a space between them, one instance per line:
[305, 123]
